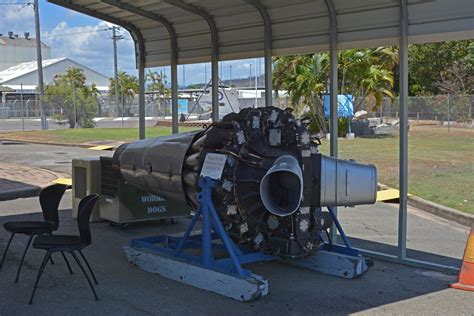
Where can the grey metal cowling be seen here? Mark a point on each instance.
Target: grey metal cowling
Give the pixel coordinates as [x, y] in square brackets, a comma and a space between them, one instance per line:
[273, 183]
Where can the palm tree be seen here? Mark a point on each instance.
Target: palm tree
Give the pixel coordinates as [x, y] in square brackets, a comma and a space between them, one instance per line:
[158, 81]
[128, 88]
[305, 79]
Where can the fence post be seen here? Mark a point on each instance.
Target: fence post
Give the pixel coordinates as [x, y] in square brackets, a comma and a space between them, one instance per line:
[22, 108]
[417, 116]
[449, 113]
[396, 115]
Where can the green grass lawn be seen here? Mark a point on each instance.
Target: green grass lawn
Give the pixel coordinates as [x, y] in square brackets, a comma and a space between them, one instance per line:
[441, 164]
[85, 135]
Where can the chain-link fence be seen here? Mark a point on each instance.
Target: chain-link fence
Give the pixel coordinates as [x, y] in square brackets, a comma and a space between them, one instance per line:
[440, 108]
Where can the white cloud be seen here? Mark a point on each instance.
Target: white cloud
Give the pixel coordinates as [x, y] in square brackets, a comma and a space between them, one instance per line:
[91, 45]
[16, 18]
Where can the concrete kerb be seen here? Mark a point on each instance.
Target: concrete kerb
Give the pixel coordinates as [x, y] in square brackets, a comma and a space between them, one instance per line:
[81, 145]
[442, 211]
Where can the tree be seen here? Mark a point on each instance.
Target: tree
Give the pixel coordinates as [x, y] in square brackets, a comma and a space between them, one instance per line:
[367, 72]
[158, 86]
[78, 102]
[428, 62]
[305, 79]
[361, 72]
[128, 88]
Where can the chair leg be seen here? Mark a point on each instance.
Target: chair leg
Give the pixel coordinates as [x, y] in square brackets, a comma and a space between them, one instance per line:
[67, 262]
[88, 266]
[85, 274]
[40, 272]
[23, 258]
[51, 260]
[6, 250]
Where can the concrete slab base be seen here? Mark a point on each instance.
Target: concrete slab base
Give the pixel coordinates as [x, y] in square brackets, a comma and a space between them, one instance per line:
[333, 263]
[233, 286]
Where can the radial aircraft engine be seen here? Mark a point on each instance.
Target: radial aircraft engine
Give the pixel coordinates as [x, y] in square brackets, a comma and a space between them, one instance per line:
[274, 186]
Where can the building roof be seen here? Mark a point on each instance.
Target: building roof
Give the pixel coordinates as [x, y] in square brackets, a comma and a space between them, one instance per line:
[298, 26]
[6, 89]
[20, 41]
[25, 68]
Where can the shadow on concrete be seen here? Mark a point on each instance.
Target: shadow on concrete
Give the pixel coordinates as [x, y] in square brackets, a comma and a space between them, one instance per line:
[411, 253]
[11, 190]
[125, 289]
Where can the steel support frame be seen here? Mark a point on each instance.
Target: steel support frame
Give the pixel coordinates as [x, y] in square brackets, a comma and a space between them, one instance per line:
[267, 48]
[401, 256]
[139, 48]
[214, 51]
[333, 89]
[173, 52]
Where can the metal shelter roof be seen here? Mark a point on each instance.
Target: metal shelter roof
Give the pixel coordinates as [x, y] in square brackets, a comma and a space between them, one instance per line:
[191, 31]
[298, 26]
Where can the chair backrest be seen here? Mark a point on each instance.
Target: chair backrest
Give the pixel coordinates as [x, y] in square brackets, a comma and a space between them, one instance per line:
[86, 205]
[49, 198]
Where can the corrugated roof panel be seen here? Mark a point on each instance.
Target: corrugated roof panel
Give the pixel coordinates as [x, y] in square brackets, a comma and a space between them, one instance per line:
[299, 26]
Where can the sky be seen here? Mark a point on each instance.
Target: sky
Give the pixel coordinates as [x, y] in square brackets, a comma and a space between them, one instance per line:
[87, 41]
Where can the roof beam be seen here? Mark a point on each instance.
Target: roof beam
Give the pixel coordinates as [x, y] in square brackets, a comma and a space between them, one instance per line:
[214, 50]
[267, 48]
[173, 48]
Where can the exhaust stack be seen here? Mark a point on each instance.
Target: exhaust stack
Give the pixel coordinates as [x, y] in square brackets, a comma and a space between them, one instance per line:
[281, 188]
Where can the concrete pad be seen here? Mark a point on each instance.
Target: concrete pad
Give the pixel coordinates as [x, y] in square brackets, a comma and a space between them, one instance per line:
[123, 289]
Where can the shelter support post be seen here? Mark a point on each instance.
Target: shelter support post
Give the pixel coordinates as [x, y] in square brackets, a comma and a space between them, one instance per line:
[267, 48]
[174, 93]
[141, 97]
[214, 51]
[173, 49]
[403, 169]
[141, 84]
[333, 119]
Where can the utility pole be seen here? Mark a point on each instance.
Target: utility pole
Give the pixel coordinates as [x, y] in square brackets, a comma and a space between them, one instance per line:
[256, 83]
[184, 77]
[39, 60]
[116, 38]
[230, 81]
[74, 103]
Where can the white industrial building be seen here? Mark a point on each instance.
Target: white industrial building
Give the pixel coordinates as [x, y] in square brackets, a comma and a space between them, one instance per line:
[25, 75]
[15, 50]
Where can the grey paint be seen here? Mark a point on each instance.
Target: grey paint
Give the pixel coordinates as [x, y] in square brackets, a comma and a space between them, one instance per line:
[156, 164]
[403, 168]
[333, 90]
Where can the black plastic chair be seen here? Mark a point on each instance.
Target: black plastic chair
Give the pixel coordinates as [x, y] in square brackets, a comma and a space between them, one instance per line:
[49, 198]
[69, 243]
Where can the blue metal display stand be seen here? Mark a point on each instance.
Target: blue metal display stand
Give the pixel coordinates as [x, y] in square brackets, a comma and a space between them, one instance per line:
[191, 259]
